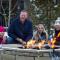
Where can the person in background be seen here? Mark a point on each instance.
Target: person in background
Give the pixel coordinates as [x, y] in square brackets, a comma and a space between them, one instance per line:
[2, 37]
[41, 33]
[13, 18]
[20, 30]
[56, 37]
[57, 31]
[2, 20]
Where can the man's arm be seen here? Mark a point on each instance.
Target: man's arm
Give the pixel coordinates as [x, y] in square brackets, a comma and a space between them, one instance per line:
[11, 31]
[30, 33]
[21, 41]
[11, 34]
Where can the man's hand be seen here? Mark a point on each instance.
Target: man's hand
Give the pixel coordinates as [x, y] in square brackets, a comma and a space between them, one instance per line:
[24, 43]
[21, 41]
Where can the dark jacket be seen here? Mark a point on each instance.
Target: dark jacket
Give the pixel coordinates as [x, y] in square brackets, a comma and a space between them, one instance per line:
[23, 31]
[57, 38]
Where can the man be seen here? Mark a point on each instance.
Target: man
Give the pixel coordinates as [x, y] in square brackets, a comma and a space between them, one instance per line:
[20, 29]
[57, 31]
[56, 38]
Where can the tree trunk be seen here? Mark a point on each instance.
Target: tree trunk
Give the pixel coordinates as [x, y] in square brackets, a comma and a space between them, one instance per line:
[26, 4]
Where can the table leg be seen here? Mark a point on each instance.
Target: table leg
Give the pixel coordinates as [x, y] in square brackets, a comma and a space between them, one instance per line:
[1, 57]
[14, 57]
[33, 58]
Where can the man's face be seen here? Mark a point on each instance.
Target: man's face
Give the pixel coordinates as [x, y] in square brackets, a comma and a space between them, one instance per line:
[57, 24]
[57, 27]
[23, 16]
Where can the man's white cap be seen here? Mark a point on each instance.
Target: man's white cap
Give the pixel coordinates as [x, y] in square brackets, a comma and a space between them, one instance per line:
[57, 22]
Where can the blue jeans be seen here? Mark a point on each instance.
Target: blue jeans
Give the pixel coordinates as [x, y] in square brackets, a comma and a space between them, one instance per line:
[10, 40]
